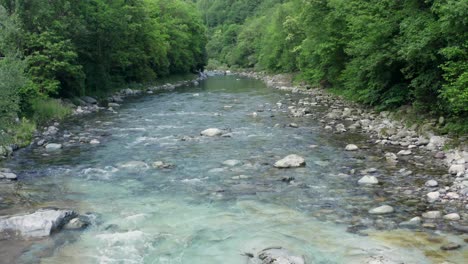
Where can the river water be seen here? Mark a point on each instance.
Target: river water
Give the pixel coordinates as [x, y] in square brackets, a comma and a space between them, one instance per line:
[202, 211]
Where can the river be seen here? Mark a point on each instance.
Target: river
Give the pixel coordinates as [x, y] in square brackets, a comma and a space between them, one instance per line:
[202, 211]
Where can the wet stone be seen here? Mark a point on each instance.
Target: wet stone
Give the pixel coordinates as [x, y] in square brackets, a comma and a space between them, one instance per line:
[450, 246]
[384, 209]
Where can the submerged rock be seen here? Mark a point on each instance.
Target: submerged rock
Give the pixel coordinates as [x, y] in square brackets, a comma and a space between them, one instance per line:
[232, 163]
[162, 165]
[133, 165]
[279, 255]
[291, 161]
[75, 224]
[39, 224]
[212, 132]
[412, 223]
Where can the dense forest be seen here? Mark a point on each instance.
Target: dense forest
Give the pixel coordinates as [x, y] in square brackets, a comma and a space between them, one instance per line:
[383, 53]
[386, 53]
[68, 48]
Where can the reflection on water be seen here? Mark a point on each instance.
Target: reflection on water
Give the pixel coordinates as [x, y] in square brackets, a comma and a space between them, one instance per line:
[203, 211]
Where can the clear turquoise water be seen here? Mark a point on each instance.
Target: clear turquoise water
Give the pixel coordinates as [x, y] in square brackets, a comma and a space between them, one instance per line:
[200, 211]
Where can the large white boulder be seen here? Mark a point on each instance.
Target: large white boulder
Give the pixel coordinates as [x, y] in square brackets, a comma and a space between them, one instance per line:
[212, 132]
[291, 161]
[38, 224]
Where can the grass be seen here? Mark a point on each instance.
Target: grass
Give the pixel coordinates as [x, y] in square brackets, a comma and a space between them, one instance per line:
[19, 134]
[49, 109]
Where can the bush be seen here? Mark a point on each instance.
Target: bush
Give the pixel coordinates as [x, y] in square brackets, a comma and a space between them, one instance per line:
[48, 109]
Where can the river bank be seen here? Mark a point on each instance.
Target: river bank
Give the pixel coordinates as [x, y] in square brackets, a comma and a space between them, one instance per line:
[415, 144]
[83, 106]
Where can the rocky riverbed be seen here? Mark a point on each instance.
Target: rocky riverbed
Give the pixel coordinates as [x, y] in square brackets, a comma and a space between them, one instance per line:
[228, 171]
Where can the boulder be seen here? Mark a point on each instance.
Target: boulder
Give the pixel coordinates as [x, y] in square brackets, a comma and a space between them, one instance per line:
[404, 152]
[457, 169]
[433, 196]
[351, 147]
[384, 209]
[368, 180]
[452, 217]
[431, 183]
[432, 214]
[7, 175]
[162, 165]
[291, 161]
[41, 223]
[53, 146]
[212, 132]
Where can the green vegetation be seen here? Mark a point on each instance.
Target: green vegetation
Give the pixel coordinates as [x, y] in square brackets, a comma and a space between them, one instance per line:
[384, 53]
[69, 48]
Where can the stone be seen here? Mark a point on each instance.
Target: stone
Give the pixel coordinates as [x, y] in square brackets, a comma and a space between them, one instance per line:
[94, 142]
[162, 165]
[413, 222]
[351, 147]
[8, 175]
[279, 255]
[75, 224]
[404, 152]
[457, 169]
[232, 163]
[452, 217]
[212, 132]
[133, 165]
[432, 214]
[391, 157]
[440, 155]
[368, 180]
[41, 223]
[293, 125]
[340, 128]
[450, 246]
[89, 100]
[452, 195]
[291, 161]
[384, 209]
[53, 146]
[431, 183]
[433, 196]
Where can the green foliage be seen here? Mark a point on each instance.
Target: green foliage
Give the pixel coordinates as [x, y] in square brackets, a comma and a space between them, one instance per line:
[46, 109]
[383, 53]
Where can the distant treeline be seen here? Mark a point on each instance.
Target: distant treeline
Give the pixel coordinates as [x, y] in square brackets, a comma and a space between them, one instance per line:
[385, 53]
[67, 48]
